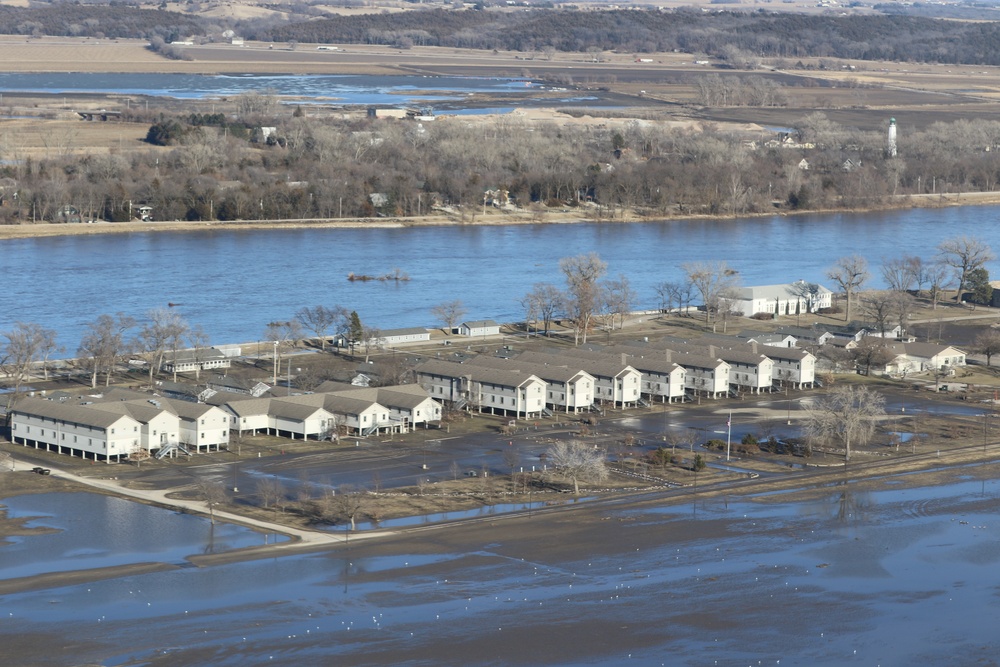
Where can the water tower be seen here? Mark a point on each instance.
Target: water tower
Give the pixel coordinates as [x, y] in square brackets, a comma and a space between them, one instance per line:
[891, 141]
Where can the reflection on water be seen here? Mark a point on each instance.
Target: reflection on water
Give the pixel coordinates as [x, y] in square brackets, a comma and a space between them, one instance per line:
[94, 531]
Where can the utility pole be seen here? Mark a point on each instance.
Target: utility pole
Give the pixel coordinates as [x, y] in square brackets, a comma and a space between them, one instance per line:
[729, 436]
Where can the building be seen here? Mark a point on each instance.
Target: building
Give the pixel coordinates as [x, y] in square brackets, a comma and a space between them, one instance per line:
[479, 328]
[918, 357]
[391, 337]
[187, 361]
[568, 389]
[76, 430]
[497, 390]
[791, 299]
[615, 381]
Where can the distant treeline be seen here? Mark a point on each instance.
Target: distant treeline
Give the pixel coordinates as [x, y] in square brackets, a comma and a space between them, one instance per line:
[111, 22]
[898, 38]
[737, 37]
[315, 168]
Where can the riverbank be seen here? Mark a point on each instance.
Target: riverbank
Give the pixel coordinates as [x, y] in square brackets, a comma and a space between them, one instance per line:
[491, 218]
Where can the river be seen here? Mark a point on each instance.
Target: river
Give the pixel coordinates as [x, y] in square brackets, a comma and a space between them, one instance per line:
[891, 572]
[450, 91]
[233, 282]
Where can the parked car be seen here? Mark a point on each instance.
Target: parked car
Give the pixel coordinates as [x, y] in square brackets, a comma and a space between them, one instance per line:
[41, 471]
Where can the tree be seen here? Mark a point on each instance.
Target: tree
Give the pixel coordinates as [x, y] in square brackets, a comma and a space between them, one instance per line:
[846, 415]
[987, 344]
[712, 280]
[163, 332]
[449, 314]
[213, 493]
[512, 457]
[269, 491]
[964, 254]
[937, 281]
[355, 330]
[199, 341]
[371, 338]
[25, 344]
[619, 297]
[872, 351]
[901, 273]
[348, 502]
[542, 303]
[104, 344]
[878, 308]
[281, 335]
[583, 294]
[577, 461]
[670, 296]
[978, 283]
[850, 273]
[320, 319]
[139, 454]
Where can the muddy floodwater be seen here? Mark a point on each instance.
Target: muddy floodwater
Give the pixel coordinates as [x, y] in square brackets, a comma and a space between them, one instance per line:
[892, 572]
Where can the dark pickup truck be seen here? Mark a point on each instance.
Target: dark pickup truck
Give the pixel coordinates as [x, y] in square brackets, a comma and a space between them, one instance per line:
[41, 471]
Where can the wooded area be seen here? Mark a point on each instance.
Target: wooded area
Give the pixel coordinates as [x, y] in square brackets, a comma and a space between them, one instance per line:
[327, 168]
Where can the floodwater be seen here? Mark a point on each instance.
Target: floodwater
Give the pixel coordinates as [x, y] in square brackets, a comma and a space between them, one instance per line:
[92, 530]
[883, 575]
[488, 268]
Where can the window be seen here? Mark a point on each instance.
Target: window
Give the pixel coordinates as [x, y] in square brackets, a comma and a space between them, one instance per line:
[203, 422]
[203, 435]
[112, 431]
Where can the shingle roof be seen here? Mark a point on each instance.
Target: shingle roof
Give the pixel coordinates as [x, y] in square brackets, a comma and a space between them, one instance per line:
[84, 415]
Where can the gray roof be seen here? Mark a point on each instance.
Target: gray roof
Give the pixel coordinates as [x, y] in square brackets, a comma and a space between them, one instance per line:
[85, 415]
[547, 372]
[479, 324]
[598, 364]
[494, 376]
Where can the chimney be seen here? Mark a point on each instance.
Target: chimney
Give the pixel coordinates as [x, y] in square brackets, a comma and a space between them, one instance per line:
[624, 359]
[711, 351]
[753, 346]
[669, 354]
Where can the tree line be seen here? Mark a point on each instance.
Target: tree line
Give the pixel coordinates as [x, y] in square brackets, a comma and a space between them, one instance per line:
[330, 168]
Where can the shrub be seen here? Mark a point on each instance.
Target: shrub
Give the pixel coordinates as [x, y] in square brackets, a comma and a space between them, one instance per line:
[832, 310]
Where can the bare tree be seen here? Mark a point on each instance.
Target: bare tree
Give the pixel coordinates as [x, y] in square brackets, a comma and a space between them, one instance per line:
[872, 352]
[846, 415]
[669, 294]
[199, 341]
[282, 335]
[25, 344]
[349, 502]
[161, 333]
[449, 313]
[138, 455]
[937, 281]
[320, 319]
[577, 461]
[877, 307]
[256, 105]
[620, 298]
[964, 254]
[901, 273]
[711, 280]
[512, 458]
[542, 303]
[850, 273]
[213, 492]
[269, 491]
[987, 344]
[583, 294]
[104, 344]
[902, 306]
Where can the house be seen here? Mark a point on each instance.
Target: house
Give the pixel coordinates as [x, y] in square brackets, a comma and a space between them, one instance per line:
[76, 430]
[568, 389]
[249, 387]
[806, 335]
[507, 391]
[917, 357]
[771, 339]
[391, 337]
[145, 213]
[203, 427]
[704, 375]
[408, 405]
[792, 366]
[187, 361]
[479, 328]
[788, 299]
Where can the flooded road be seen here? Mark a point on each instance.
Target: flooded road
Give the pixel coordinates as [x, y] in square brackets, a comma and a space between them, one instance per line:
[897, 571]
